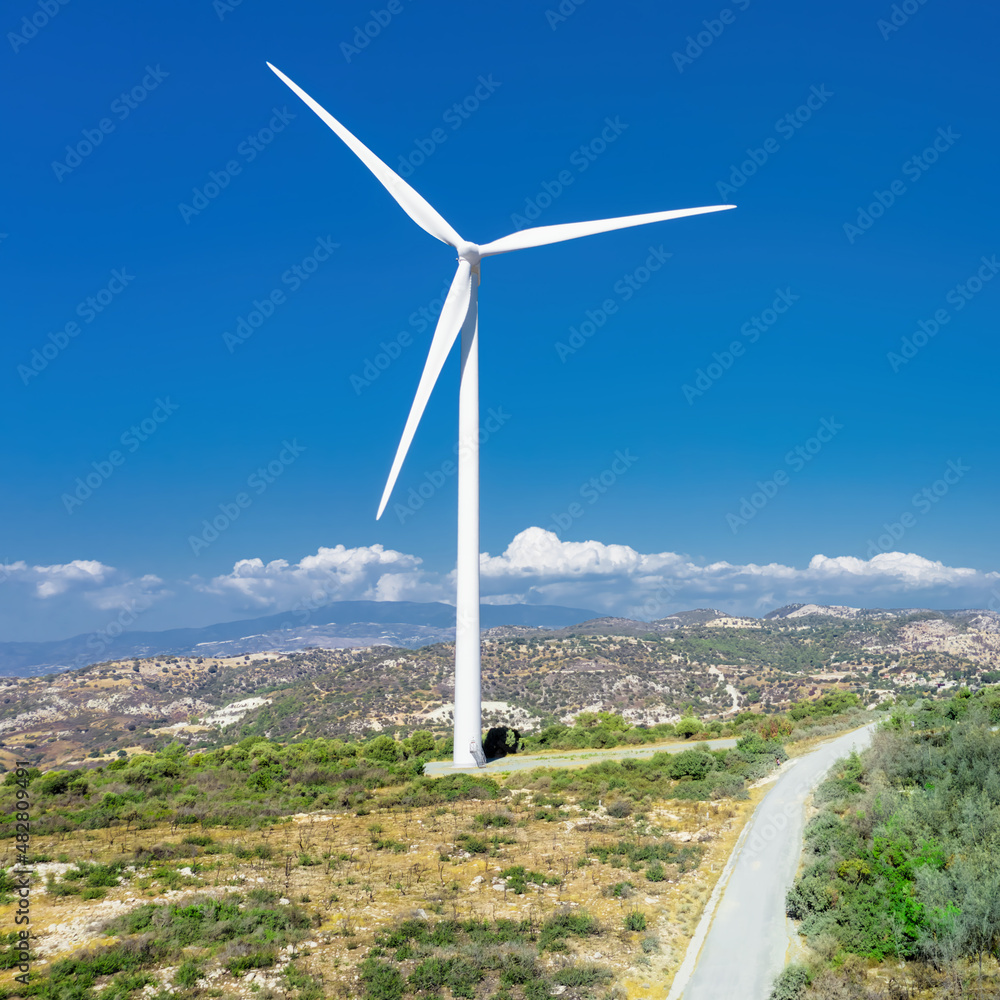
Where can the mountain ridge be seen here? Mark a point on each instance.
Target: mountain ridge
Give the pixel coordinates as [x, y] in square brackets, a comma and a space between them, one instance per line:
[386, 623]
[413, 625]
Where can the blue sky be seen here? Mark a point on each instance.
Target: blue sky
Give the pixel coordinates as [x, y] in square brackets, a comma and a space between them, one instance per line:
[159, 169]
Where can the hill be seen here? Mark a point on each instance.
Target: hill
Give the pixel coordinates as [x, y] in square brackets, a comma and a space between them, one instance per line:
[333, 626]
[647, 672]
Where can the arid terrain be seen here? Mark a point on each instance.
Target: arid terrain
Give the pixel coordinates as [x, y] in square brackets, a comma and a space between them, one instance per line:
[707, 665]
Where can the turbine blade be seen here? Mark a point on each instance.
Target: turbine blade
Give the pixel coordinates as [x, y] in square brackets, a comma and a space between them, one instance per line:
[449, 325]
[415, 206]
[542, 235]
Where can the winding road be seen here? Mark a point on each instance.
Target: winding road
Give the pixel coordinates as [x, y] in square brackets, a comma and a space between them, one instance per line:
[740, 947]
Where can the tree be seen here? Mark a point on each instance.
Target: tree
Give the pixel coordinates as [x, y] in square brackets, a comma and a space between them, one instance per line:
[687, 727]
[383, 749]
[421, 742]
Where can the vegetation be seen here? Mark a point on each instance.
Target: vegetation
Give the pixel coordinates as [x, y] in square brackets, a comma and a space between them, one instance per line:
[256, 781]
[546, 681]
[692, 774]
[245, 933]
[480, 958]
[902, 860]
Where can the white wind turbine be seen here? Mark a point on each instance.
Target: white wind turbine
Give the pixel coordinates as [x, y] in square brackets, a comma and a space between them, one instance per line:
[460, 313]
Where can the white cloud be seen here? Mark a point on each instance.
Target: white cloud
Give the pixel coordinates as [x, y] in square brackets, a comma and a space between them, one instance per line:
[99, 585]
[62, 599]
[371, 573]
[537, 567]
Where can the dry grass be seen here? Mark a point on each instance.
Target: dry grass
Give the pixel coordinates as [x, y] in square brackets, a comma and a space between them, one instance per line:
[357, 887]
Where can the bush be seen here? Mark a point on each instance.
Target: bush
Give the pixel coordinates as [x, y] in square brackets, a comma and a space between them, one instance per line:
[474, 845]
[383, 749]
[691, 764]
[582, 975]
[566, 924]
[189, 973]
[790, 984]
[517, 878]
[635, 920]
[656, 872]
[620, 890]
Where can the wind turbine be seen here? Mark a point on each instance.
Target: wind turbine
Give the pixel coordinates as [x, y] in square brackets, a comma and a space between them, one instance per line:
[460, 313]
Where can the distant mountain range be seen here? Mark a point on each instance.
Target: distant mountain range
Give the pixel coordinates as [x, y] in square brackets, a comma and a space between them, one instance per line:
[338, 625]
[407, 625]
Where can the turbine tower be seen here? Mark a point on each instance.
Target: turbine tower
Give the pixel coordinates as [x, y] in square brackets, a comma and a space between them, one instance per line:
[460, 314]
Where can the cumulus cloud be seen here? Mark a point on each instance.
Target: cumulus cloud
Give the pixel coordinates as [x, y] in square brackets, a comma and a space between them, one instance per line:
[370, 573]
[97, 584]
[58, 600]
[537, 567]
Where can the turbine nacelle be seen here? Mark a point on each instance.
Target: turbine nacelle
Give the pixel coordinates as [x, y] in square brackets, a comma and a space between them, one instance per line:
[470, 252]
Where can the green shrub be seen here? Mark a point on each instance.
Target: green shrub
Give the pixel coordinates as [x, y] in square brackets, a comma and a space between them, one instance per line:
[198, 839]
[582, 975]
[656, 872]
[188, 973]
[635, 920]
[790, 984]
[620, 890]
[256, 959]
[517, 878]
[566, 924]
[381, 979]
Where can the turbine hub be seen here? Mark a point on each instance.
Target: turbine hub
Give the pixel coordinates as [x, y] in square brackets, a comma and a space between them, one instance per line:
[469, 252]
